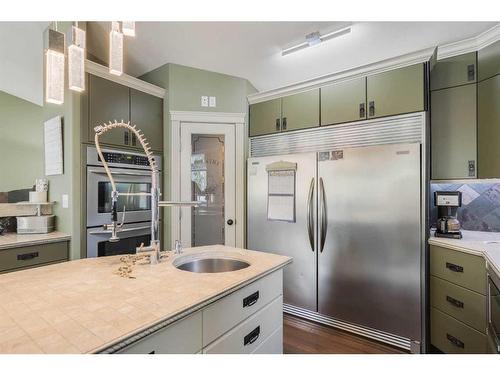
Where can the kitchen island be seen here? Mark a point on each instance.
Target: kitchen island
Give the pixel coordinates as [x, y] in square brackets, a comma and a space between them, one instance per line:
[85, 306]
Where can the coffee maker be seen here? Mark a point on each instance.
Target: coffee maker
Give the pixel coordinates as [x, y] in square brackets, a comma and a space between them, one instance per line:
[447, 224]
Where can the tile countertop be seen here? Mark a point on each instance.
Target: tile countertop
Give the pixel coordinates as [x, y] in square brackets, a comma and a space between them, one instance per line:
[83, 306]
[11, 240]
[486, 244]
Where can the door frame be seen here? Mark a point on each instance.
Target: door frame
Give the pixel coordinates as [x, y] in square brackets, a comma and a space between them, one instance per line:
[177, 118]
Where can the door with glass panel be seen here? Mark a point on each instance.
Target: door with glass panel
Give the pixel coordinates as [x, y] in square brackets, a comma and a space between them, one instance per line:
[208, 176]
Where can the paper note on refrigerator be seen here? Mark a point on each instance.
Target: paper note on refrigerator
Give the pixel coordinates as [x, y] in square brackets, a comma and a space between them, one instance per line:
[53, 146]
[281, 195]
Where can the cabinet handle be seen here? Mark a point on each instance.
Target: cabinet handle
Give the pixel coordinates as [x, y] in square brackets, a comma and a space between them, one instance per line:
[454, 267]
[455, 302]
[27, 256]
[455, 341]
[278, 125]
[471, 165]
[251, 299]
[251, 337]
[134, 140]
[125, 137]
[284, 123]
[471, 74]
[362, 113]
[371, 108]
[152, 352]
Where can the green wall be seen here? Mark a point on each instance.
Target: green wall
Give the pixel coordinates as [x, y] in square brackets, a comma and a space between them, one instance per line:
[185, 86]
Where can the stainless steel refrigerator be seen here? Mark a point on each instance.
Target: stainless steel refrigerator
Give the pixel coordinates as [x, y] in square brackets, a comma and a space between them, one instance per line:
[355, 235]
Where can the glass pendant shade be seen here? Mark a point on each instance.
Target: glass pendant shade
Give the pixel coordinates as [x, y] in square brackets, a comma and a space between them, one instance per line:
[76, 60]
[128, 28]
[54, 67]
[115, 50]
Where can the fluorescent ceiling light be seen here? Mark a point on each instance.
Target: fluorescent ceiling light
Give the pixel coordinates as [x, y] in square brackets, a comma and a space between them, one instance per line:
[128, 28]
[115, 50]
[76, 60]
[54, 67]
[316, 38]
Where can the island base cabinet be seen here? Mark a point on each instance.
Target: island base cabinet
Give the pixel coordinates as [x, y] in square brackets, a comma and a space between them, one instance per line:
[183, 337]
[248, 336]
[273, 344]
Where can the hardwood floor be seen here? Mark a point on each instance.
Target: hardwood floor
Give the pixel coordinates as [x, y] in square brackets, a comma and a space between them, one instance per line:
[301, 336]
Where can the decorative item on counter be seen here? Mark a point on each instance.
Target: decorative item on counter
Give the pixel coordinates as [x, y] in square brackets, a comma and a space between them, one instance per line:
[40, 193]
[130, 260]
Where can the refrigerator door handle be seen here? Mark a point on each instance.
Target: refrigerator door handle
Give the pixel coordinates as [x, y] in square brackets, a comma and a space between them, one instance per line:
[324, 218]
[310, 214]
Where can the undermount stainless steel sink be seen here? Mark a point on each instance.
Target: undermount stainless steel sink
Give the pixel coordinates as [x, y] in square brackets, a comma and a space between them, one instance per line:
[212, 265]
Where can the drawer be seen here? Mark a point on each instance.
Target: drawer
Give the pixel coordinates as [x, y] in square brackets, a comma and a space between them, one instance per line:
[452, 336]
[226, 313]
[182, 337]
[273, 344]
[459, 268]
[465, 305]
[28, 256]
[250, 334]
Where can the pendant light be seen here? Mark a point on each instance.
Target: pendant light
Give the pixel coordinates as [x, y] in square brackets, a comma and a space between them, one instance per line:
[115, 50]
[54, 66]
[76, 60]
[128, 28]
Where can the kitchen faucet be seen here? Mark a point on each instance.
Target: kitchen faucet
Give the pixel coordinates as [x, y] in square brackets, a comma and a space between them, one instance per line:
[115, 227]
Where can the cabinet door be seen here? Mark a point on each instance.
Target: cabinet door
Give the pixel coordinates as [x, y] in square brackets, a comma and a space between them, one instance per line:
[489, 61]
[489, 128]
[396, 92]
[343, 102]
[265, 117]
[146, 111]
[453, 132]
[454, 71]
[109, 101]
[300, 111]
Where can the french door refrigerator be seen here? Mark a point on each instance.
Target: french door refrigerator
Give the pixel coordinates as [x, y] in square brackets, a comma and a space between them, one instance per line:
[355, 237]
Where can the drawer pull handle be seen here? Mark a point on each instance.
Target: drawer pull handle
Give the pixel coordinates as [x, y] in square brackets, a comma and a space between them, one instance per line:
[251, 337]
[455, 341]
[455, 302]
[454, 267]
[27, 256]
[152, 352]
[251, 299]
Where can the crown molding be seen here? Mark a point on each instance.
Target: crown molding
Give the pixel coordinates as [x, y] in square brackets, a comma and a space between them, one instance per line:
[345, 75]
[126, 80]
[216, 117]
[471, 44]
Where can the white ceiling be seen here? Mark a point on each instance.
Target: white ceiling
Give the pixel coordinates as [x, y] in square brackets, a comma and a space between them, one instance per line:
[252, 50]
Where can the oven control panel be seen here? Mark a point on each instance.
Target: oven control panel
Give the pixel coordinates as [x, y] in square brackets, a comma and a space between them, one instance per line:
[118, 158]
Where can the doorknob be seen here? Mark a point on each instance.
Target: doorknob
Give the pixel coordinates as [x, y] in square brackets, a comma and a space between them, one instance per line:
[230, 222]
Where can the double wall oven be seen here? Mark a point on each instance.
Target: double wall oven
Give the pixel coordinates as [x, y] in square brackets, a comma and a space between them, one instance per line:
[132, 174]
[493, 311]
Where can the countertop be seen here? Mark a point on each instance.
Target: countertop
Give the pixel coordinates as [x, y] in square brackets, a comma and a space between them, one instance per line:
[485, 244]
[83, 306]
[11, 240]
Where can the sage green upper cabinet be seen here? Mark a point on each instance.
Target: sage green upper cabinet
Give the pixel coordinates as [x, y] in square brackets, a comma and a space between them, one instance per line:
[343, 102]
[396, 91]
[489, 127]
[108, 101]
[300, 111]
[453, 133]
[146, 111]
[454, 71]
[265, 117]
[489, 61]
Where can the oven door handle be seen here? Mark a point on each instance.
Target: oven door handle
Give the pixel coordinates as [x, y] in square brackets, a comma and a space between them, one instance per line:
[122, 173]
[121, 230]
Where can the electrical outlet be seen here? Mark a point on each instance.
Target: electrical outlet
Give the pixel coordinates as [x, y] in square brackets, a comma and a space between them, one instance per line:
[212, 102]
[65, 201]
[204, 101]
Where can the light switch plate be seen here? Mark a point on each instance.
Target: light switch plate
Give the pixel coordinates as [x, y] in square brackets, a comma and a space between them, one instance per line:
[204, 101]
[212, 101]
[65, 201]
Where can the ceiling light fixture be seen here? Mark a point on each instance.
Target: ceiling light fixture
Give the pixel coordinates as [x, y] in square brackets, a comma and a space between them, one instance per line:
[316, 38]
[115, 49]
[54, 66]
[128, 28]
[76, 60]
